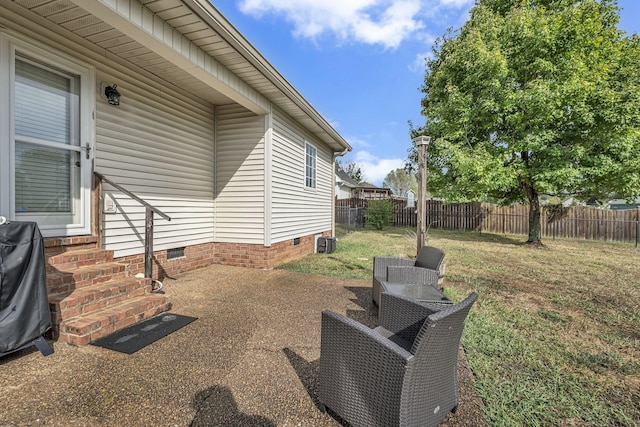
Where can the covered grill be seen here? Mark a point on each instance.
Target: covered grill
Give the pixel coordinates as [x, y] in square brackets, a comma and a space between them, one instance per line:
[24, 307]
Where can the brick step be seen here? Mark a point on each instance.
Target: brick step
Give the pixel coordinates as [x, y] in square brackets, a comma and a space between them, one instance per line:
[67, 281]
[54, 245]
[66, 305]
[67, 261]
[83, 329]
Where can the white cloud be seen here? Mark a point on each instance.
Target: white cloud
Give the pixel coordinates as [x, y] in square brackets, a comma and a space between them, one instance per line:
[419, 64]
[378, 22]
[357, 142]
[382, 22]
[375, 169]
[456, 3]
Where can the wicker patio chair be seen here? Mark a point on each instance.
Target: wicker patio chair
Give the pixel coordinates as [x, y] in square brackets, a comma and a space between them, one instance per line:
[403, 373]
[427, 267]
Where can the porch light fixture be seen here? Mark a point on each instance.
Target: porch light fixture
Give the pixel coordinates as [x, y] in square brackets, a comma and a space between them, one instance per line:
[112, 94]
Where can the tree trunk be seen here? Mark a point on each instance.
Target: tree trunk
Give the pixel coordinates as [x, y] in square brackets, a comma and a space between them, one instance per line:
[535, 230]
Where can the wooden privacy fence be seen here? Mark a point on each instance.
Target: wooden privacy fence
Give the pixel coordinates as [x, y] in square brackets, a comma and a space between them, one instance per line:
[578, 222]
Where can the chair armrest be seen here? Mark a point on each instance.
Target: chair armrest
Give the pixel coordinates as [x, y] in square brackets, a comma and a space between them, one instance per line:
[359, 367]
[380, 264]
[403, 316]
[403, 274]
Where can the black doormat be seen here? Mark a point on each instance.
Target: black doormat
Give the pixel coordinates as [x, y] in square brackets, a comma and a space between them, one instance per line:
[134, 337]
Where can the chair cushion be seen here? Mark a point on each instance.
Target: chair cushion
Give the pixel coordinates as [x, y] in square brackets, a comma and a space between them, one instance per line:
[429, 257]
[406, 344]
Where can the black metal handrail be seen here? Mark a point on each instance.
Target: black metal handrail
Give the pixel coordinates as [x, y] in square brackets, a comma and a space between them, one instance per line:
[148, 235]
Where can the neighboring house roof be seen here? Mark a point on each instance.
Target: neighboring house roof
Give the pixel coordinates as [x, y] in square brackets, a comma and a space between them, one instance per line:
[367, 185]
[623, 204]
[190, 44]
[343, 178]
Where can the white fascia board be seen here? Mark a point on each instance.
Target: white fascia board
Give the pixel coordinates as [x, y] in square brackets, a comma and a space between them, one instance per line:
[139, 23]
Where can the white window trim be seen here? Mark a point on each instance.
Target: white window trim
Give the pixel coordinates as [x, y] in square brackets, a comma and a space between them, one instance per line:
[9, 45]
[307, 144]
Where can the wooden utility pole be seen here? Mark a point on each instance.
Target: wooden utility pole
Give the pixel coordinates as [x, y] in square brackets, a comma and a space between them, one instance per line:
[422, 142]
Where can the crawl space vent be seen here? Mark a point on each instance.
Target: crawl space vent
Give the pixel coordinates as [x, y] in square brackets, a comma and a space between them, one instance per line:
[175, 253]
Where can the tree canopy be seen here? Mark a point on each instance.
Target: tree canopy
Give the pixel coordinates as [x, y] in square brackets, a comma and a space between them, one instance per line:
[353, 170]
[399, 181]
[532, 98]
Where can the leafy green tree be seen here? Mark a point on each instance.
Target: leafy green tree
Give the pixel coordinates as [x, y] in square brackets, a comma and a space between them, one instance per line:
[399, 181]
[353, 170]
[532, 98]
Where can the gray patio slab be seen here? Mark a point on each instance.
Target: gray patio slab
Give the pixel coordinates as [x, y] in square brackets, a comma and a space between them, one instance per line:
[250, 359]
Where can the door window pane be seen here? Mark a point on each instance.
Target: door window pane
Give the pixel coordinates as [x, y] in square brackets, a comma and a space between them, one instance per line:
[44, 104]
[43, 179]
[46, 113]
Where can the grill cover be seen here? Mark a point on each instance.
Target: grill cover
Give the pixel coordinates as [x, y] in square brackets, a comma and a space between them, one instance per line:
[24, 307]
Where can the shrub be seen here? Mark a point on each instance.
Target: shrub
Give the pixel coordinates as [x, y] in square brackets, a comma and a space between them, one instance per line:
[379, 213]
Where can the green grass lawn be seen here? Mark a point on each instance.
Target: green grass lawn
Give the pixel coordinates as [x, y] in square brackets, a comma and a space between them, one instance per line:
[554, 338]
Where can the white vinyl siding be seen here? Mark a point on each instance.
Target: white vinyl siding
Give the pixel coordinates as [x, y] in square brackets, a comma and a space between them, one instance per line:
[297, 210]
[240, 176]
[159, 146]
[343, 192]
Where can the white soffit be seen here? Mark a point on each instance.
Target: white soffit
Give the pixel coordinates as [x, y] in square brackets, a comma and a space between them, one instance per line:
[151, 31]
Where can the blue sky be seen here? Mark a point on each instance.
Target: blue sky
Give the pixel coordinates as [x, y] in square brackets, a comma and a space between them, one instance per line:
[360, 63]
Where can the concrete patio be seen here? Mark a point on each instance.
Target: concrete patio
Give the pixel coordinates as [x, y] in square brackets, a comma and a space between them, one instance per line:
[251, 359]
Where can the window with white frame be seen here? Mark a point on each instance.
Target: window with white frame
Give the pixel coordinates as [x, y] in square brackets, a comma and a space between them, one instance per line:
[310, 165]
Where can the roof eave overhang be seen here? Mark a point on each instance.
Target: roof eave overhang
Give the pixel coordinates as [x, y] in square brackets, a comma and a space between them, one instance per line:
[137, 22]
[227, 31]
[133, 20]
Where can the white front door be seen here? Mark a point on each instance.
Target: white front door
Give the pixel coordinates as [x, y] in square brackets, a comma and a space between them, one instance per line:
[45, 173]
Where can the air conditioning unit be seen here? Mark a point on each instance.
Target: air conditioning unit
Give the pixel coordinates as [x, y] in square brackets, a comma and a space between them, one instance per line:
[326, 245]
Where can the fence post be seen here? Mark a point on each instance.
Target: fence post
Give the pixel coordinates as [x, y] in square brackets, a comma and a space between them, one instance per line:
[504, 223]
[637, 226]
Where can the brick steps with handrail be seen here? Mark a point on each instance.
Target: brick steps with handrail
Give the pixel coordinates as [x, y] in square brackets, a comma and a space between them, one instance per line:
[90, 295]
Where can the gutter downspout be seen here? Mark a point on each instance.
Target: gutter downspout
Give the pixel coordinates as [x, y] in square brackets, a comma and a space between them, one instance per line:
[268, 176]
[333, 188]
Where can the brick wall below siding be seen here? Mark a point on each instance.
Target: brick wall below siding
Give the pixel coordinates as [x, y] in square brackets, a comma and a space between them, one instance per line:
[196, 256]
[236, 254]
[258, 256]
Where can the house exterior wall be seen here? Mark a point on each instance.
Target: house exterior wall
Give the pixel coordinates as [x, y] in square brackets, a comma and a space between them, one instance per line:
[240, 173]
[296, 210]
[159, 147]
[342, 191]
[158, 143]
[232, 185]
